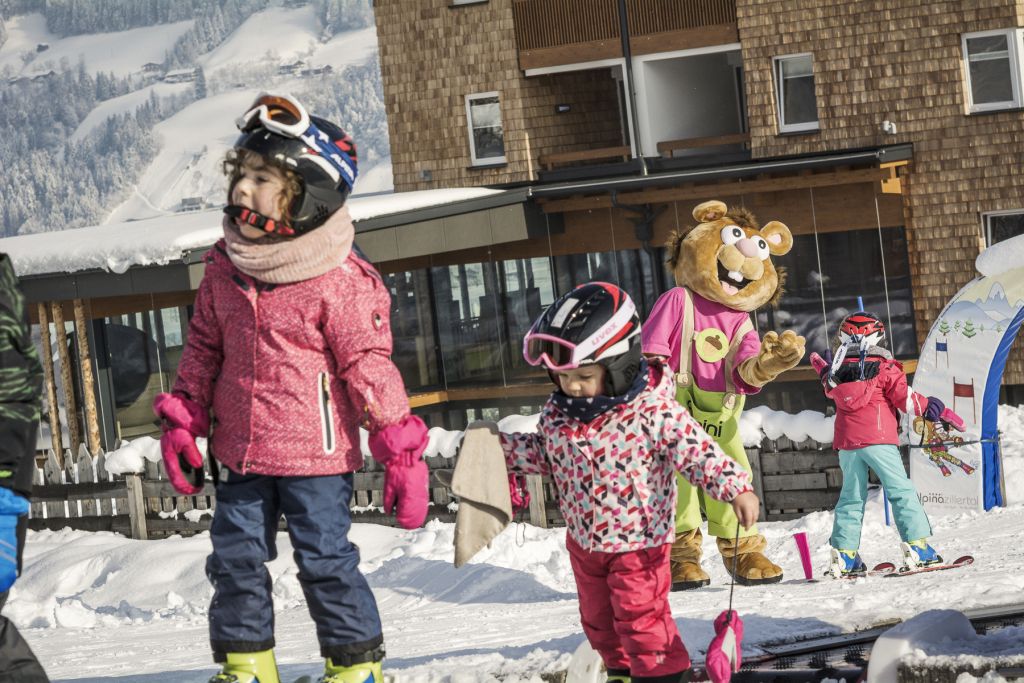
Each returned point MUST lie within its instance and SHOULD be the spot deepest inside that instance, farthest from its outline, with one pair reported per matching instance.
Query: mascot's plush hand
(777, 354)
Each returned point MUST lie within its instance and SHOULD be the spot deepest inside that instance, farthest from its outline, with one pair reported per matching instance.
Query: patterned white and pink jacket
(615, 476)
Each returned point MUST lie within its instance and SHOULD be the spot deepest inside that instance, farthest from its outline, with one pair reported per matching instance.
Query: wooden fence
(792, 479)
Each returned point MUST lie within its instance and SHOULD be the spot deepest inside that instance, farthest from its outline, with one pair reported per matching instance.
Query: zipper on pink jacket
(254, 302)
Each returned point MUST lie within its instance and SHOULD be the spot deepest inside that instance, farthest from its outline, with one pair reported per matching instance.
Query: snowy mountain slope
(192, 145)
(125, 104)
(296, 36)
(194, 133)
(120, 53)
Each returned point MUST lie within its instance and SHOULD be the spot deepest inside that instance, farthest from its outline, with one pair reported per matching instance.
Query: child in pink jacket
(289, 350)
(869, 388)
(612, 438)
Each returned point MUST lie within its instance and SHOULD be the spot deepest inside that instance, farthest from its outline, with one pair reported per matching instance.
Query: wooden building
(886, 135)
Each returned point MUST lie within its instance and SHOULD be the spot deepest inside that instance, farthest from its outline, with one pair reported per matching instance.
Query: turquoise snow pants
(907, 511)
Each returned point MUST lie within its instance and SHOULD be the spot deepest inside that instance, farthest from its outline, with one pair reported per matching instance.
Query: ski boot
(248, 667)
(919, 554)
(366, 672)
(846, 564)
(618, 676)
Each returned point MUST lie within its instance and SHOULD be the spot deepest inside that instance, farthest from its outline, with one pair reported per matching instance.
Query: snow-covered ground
(101, 607)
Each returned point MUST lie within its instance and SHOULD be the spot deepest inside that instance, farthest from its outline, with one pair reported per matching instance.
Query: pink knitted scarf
(279, 260)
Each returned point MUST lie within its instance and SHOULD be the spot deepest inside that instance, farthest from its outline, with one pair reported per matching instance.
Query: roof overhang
(665, 183)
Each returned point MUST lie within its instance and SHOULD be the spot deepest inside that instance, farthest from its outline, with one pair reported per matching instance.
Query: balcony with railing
(553, 33)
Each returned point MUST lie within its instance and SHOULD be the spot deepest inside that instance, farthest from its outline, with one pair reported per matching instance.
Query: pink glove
(399, 447)
(183, 421)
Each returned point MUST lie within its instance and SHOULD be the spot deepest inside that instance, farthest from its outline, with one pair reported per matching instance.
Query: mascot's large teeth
(735, 275)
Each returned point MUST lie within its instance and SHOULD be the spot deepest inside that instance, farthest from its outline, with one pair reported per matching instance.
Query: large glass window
(826, 274)
(486, 133)
(412, 328)
(1003, 225)
(794, 91)
(993, 69)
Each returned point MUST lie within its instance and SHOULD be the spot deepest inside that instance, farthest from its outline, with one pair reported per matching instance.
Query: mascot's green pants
(722, 424)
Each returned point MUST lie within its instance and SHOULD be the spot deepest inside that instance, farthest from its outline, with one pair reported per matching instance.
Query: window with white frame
(486, 134)
(1002, 225)
(993, 68)
(794, 92)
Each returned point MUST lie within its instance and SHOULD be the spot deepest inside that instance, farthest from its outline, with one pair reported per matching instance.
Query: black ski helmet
(596, 322)
(323, 188)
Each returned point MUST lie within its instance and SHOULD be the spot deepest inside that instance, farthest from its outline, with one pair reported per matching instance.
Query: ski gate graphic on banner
(962, 364)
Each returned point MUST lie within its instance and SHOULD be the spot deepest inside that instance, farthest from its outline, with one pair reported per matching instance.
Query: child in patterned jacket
(289, 348)
(612, 437)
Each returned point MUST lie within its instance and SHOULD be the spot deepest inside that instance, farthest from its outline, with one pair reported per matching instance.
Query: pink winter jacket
(866, 409)
(292, 370)
(615, 475)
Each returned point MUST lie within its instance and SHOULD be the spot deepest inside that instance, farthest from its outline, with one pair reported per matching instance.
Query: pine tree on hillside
(200, 83)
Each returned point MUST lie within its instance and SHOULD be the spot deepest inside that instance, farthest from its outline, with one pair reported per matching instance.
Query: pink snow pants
(624, 609)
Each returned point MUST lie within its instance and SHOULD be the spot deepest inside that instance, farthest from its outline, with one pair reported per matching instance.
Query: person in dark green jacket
(21, 384)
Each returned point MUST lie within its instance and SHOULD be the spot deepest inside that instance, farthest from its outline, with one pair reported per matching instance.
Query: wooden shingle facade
(896, 155)
(901, 62)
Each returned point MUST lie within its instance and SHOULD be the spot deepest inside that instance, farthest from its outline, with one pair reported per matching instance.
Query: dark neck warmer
(589, 409)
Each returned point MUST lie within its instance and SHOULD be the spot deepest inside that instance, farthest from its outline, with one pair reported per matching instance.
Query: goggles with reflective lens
(558, 354)
(281, 114)
(284, 115)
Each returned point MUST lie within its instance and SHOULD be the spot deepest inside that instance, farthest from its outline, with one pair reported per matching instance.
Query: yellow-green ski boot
(248, 667)
(366, 672)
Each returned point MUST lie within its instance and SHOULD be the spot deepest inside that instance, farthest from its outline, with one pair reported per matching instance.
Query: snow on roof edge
(116, 247)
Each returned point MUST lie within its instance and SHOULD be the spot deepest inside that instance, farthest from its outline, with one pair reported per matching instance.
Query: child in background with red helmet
(289, 350)
(868, 388)
(612, 437)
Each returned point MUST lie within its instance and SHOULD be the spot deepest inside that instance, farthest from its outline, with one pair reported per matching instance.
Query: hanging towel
(480, 482)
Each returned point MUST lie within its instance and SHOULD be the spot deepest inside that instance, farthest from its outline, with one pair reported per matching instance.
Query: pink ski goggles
(557, 354)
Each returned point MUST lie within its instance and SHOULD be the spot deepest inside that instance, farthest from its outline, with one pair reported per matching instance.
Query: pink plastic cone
(805, 553)
(724, 652)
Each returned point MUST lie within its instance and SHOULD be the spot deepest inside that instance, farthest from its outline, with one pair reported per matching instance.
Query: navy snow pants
(244, 532)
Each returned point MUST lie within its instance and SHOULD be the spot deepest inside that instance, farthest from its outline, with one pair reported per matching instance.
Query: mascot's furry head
(727, 256)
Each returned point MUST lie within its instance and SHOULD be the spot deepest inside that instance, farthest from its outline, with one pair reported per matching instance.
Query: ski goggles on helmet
(284, 115)
(558, 354)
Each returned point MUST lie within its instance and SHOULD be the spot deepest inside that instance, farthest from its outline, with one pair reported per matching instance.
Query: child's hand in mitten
(182, 421)
(399, 447)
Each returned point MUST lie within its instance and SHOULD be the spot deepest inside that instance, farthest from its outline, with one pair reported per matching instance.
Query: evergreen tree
(200, 83)
(968, 329)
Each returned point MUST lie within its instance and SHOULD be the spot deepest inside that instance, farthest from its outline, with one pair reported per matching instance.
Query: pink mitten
(181, 411)
(818, 363)
(400, 448)
(183, 421)
(952, 419)
(725, 653)
(177, 447)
